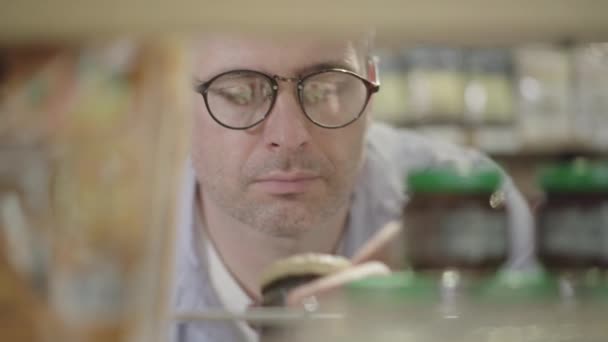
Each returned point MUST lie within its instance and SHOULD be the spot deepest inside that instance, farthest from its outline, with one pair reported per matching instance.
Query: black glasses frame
(371, 87)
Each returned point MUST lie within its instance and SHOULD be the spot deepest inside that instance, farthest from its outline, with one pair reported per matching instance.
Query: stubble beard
(288, 215)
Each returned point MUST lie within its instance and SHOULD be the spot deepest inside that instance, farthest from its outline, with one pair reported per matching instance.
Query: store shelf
(467, 21)
(502, 140)
(554, 152)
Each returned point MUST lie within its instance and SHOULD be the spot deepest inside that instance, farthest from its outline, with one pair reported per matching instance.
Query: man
(285, 160)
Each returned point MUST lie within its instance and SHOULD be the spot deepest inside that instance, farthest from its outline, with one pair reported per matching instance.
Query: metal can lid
(452, 180)
(579, 176)
(304, 264)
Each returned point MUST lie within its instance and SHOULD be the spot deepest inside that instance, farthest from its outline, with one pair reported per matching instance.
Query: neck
(246, 251)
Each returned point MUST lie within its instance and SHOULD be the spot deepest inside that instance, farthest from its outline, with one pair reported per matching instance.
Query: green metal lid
(404, 284)
(516, 286)
(451, 180)
(577, 176)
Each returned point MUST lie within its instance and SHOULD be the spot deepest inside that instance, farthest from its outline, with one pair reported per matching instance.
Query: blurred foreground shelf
(474, 22)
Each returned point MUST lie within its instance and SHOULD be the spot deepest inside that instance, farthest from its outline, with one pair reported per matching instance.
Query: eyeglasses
(330, 98)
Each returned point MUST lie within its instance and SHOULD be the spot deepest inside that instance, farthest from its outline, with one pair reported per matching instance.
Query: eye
(315, 91)
(236, 94)
(243, 91)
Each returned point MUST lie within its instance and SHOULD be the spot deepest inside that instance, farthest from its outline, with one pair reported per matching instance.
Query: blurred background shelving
(524, 105)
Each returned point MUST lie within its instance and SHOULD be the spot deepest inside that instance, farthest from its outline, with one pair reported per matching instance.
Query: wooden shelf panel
(463, 22)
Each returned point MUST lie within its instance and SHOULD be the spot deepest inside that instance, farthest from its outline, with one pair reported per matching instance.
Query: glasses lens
(240, 99)
(333, 98)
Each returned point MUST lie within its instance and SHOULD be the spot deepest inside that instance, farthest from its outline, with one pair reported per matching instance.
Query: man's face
(286, 175)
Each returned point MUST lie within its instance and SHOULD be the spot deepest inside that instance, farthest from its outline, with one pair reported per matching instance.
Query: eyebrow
(324, 66)
(337, 64)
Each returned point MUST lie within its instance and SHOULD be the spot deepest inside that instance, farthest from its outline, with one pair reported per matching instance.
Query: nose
(286, 127)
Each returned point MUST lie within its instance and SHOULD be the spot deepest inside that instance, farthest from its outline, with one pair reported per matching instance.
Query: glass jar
(573, 221)
(573, 242)
(285, 275)
(455, 220)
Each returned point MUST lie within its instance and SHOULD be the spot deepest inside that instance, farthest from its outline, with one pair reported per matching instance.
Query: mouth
(283, 183)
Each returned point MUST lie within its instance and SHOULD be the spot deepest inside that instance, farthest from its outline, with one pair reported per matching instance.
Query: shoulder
(403, 150)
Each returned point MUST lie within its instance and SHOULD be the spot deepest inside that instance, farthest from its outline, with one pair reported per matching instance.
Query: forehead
(284, 56)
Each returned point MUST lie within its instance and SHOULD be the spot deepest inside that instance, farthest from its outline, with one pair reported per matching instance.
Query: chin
(286, 222)
(285, 231)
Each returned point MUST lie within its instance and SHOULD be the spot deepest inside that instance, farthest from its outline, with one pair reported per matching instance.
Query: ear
(372, 70)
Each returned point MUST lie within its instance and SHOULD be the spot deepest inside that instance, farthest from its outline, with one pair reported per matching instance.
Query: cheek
(344, 146)
(206, 142)
(217, 152)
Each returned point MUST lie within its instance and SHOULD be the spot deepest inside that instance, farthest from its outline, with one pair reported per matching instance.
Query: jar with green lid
(573, 220)
(573, 241)
(455, 219)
